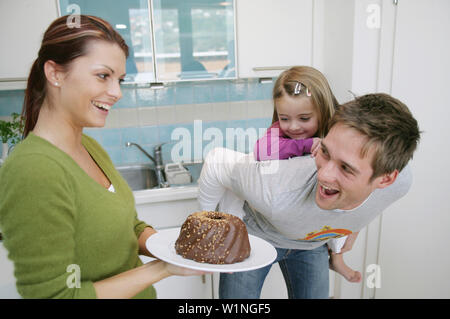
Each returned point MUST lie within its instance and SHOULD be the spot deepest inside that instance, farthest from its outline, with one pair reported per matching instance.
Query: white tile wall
(165, 115)
(147, 116)
(204, 112)
(187, 113)
(260, 109)
(239, 110)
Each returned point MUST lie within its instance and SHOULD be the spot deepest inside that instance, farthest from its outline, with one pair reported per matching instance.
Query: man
(359, 170)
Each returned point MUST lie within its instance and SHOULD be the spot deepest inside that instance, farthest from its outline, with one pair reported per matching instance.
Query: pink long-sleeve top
(275, 145)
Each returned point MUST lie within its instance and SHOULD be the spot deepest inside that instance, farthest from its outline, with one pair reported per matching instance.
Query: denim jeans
(305, 273)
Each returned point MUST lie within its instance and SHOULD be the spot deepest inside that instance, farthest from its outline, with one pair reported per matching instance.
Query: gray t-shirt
(280, 203)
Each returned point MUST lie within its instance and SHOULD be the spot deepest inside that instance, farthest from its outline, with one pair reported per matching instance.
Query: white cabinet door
(414, 256)
(7, 280)
(273, 35)
(22, 25)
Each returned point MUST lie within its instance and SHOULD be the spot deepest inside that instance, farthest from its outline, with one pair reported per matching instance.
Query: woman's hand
(180, 271)
(169, 268)
(131, 282)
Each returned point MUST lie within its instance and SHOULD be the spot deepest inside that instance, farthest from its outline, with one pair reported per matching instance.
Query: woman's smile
(102, 106)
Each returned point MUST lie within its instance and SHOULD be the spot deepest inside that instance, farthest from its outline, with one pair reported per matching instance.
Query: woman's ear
(53, 73)
(386, 179)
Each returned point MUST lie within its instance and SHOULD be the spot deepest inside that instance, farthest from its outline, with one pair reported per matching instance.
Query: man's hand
(349, 242)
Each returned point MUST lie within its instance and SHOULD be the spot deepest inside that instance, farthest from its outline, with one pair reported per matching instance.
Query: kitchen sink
(139, 177)
(195, 169)
(142, 176)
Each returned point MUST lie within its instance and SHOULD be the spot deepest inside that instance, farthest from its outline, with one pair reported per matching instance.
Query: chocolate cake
(214, 238)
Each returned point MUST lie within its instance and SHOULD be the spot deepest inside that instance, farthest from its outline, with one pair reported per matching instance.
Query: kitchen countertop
(172, 193)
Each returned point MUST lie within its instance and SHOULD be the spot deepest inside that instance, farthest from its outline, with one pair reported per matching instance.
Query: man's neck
(354, 208)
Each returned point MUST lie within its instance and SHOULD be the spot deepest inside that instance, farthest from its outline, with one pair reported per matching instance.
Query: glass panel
(194, 39)
(131, 19)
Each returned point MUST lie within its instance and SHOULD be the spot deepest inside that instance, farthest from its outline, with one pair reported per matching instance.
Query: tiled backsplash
(191, 116)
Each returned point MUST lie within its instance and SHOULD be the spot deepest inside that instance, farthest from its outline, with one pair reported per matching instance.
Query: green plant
(11, 131)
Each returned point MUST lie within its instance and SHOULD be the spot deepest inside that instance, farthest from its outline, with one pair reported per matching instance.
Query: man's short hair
(388, 126)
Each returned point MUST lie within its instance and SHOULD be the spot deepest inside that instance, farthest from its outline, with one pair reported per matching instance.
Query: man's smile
(327, 191)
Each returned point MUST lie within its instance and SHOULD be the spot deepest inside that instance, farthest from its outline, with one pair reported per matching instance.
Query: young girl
(300, 119)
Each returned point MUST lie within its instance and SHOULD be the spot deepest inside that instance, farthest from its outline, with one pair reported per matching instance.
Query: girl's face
(297, 116)
(92, 85)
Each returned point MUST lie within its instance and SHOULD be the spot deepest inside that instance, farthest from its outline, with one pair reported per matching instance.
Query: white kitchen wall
(405, 55)
(414, 251)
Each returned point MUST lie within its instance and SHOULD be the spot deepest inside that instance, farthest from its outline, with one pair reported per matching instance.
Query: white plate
(162, 246)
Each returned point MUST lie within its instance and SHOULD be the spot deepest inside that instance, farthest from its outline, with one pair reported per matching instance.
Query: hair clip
(298, 88)
(353, 94)
(308, 93)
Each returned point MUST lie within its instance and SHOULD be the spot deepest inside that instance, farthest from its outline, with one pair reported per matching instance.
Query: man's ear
(386, 179)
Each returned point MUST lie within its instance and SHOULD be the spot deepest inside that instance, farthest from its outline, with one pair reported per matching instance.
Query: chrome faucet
(157, 160)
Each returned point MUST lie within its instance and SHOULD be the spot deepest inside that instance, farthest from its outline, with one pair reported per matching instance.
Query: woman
(68, 218)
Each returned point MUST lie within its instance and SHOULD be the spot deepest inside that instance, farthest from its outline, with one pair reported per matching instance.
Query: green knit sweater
(64, 231)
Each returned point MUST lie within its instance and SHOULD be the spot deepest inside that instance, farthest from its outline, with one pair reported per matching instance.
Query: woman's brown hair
(299, 80)
(62, 43)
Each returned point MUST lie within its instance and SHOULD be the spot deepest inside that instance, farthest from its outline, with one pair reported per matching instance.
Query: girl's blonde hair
(301, 81)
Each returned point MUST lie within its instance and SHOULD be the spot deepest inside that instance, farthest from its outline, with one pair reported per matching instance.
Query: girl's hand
(315, 147)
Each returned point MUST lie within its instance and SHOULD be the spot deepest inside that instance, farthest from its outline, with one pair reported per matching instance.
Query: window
(193, 39)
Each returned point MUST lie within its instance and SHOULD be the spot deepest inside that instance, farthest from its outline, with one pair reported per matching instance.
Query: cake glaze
(214, 238)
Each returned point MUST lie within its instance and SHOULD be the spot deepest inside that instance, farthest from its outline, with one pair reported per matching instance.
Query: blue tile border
(113, 140)
(203, 94)
(11, 101)
(183, 93)
(171, 94)
(198, 136)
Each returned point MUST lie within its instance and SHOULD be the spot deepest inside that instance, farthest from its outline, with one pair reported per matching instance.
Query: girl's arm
(274, 146)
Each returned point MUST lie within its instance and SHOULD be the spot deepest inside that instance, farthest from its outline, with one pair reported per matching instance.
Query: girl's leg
(338, 265)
